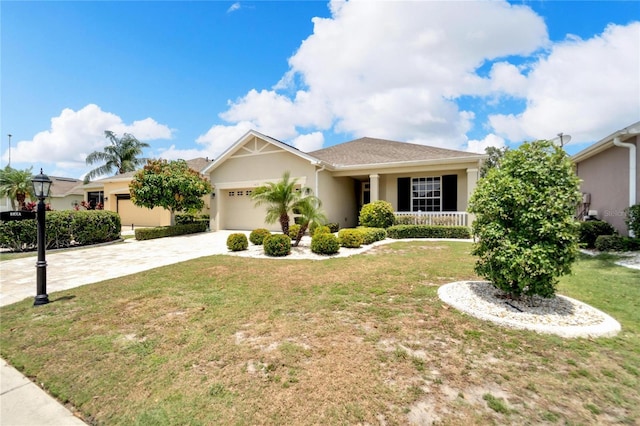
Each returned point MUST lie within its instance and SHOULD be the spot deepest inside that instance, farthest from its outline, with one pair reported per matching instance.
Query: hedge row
(63, 229)
(170, 231)
(428, 231)
(616, 243)
(184, 218)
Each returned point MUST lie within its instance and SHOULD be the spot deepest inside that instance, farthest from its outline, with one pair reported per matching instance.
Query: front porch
(433, 218)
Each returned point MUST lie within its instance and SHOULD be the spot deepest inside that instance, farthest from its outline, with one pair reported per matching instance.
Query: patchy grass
(230, 340)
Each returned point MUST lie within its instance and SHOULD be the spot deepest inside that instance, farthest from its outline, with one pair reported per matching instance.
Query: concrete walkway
(22, 402)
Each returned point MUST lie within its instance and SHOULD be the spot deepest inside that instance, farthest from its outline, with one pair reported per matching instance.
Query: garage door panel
(241, 213)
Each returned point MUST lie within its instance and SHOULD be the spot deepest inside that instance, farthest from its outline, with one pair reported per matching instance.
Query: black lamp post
(41, 186)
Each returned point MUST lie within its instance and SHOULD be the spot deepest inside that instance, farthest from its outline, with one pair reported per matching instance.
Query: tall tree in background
(122, 154)
(169, 184)
(495, 157)
(280, 198)
(16, 185)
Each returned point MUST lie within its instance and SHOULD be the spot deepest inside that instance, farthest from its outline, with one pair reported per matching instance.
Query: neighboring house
(113, 193)
(610, 180)
(64, 194)
(413, 178)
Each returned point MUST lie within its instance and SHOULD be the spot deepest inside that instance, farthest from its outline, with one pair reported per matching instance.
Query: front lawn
(358, 340)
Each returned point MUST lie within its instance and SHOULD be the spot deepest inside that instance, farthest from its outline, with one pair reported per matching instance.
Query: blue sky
(190, 78)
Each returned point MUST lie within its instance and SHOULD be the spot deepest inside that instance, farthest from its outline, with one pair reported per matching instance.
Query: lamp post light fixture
(41, 186)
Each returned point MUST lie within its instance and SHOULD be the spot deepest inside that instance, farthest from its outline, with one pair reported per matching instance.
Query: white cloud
(479, 146)
(586, 88)
(219, 138)
(173, 153)
(393, 70)
(309, 142)
(74, 134)
(235, 6)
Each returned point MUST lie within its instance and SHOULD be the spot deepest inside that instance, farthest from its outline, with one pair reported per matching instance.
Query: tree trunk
(303, 229)
(284, 223)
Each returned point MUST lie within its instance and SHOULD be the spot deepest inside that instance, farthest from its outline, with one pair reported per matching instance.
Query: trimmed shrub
(350, 238)
(633, 219)
(237, 242)
(257, 236)
(87, 227)
(591, 229)
(616, 243)
(417, 219)
(325, 243)
(277, 245)
(371, 235)
(293, 230)
(170, 231)
(317, 230)
(609, 243)
(378, 214)
(63, 229)
(428, 231)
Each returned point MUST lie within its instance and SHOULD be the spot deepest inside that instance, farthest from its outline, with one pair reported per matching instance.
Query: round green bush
(237, 242)
(319, 230)
(257, 236)
(350, 238)
(277, 245)
(378, 214)
(325, 243)
(590, 230)
(293, 230)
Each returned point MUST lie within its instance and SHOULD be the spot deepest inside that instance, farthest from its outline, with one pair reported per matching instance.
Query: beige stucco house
(415, 179)
(609, 176)
(113, 192)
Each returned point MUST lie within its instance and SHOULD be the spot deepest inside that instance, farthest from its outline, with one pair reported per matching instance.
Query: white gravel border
(480, 300)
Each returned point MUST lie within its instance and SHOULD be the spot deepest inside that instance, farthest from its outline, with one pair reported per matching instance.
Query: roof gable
(255, 143)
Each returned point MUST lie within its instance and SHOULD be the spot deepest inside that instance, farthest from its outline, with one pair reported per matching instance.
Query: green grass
(230, 340)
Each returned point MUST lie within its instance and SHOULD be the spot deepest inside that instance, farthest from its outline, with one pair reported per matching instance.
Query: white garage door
(240, 211)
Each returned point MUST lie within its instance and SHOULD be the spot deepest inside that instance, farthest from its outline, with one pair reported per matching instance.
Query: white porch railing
(433, 218)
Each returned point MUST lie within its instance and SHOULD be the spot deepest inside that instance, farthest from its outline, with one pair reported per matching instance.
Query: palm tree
(309, 211)
(280, 199)
(121, 154)
(16, 185)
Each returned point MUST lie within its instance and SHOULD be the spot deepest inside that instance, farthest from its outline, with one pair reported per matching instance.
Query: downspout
(317, 172)
(632, 171)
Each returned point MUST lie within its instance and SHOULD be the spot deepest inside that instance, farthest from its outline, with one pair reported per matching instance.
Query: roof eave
(413, 163)
(606, 143)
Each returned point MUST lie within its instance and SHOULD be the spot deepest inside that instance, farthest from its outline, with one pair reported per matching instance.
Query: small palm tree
(121, 154)
(309, 211)
(16, 185)
(280, 199)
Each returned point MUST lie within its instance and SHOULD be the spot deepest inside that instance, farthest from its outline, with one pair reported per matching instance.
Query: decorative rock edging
(561, 315)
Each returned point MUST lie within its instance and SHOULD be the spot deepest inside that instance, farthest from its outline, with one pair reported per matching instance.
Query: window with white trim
(240, 193)
(426, 194)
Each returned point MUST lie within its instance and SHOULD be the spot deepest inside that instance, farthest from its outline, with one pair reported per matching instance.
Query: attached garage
(133, 215)
(238, 211)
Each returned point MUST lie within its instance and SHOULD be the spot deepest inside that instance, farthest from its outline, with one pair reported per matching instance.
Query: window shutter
(450, 193)
(404, 194)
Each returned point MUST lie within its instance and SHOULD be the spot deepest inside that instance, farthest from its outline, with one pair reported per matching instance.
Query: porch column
(472, 180)
(374, 187)
(217, 204)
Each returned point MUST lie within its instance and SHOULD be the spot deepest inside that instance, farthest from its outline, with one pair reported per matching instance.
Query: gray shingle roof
(62, 186)
(380, 151)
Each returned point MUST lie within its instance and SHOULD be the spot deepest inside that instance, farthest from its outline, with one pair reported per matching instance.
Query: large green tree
(122, 155)
(16, 185)
(169, 184)
(280, 198)
(525, 228)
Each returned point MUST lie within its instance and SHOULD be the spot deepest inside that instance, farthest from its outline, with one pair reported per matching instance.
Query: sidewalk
(22, 402)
